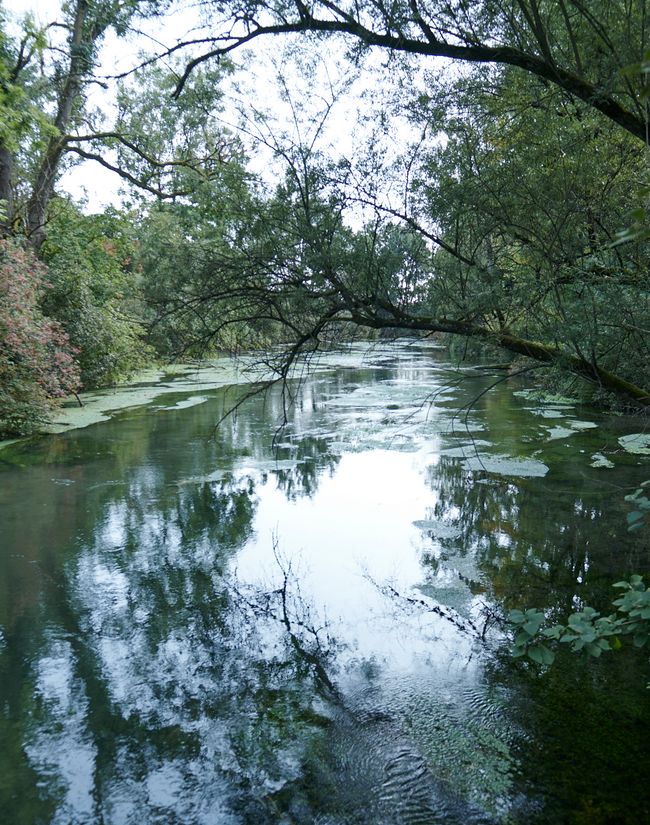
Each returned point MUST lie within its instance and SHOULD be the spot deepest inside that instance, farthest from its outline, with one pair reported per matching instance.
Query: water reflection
(203, 626)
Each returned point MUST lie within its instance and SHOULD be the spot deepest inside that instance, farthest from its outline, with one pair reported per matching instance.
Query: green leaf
(531, 628)
(541, 654)
(631, 70)
(522, 638)
(534, 620)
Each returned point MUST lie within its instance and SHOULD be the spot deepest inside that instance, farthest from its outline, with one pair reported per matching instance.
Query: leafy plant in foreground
(639, 498)
(587, 630)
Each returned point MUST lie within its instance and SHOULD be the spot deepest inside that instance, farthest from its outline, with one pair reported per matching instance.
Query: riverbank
(145, 386)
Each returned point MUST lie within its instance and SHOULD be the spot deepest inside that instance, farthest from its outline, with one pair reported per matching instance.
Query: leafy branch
(641, 502)
(586, 631)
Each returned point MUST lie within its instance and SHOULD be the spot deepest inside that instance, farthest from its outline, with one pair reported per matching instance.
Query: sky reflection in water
(199, 628)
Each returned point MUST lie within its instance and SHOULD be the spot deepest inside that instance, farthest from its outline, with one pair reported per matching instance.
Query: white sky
(89, 181)
(100, 187)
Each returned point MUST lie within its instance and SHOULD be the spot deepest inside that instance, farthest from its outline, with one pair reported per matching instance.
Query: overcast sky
(99, 187)
(89, 181)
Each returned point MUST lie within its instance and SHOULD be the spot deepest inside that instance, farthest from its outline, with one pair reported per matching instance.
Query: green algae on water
(506, 466)
(599, 461)
(636, 443)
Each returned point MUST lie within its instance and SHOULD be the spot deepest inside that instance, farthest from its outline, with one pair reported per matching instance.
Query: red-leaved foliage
(37, 363)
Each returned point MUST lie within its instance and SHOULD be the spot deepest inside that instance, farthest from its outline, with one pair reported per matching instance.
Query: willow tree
(544, 134)
(578, 46)
(43, 102)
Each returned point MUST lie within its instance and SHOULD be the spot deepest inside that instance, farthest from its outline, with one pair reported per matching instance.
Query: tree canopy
(496, 190)
(579, 47)
(531, 160)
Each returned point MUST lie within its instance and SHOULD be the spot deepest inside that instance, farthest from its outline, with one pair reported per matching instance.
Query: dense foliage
(36, 360)
(95, 294)
(108, 297)
(515, 218)
(529, 166)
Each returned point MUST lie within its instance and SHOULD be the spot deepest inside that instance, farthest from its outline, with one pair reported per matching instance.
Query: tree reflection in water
(146, 674)
(160, 681)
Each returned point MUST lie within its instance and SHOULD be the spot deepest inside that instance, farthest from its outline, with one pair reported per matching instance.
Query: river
(302, 624)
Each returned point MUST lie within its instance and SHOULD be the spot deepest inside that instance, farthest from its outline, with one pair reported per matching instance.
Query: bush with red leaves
(37, 363)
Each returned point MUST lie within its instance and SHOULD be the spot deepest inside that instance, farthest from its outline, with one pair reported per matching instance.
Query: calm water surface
(254, 625)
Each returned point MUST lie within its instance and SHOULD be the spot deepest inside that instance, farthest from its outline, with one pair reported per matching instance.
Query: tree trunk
(80, 45)
(6, 190)
(536, 350)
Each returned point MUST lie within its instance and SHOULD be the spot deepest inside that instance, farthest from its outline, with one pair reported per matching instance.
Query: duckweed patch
(636, 443)
(504, 465)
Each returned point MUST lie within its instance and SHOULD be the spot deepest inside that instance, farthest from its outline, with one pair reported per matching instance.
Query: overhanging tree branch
(196, 165)
(531, 349)
(140, 184)
(338, 21)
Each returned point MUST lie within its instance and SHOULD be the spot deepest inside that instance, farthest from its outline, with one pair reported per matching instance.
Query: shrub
(95, 295)
(37, 364)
